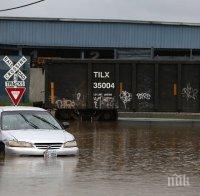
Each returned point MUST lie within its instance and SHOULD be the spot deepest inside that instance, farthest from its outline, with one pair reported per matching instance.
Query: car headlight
(14, 143)
(70, 144)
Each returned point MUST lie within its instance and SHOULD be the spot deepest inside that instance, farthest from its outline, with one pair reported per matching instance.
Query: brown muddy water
(115, 159)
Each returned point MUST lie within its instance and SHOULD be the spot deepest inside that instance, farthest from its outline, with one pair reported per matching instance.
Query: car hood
(38, 136)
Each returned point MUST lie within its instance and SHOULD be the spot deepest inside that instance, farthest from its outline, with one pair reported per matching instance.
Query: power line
(22, 6)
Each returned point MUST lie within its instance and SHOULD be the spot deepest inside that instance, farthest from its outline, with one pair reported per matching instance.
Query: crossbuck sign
(15, 88)
(14, 68)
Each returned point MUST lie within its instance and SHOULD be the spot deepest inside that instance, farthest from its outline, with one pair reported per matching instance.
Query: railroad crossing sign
(14, 68)
(15, 89)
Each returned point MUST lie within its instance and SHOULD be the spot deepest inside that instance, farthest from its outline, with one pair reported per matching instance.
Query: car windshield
(22, 120)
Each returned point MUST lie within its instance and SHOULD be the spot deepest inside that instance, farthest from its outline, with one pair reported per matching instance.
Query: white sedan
(33, 131)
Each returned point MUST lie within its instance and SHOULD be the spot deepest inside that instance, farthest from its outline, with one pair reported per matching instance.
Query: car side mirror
(65, 125)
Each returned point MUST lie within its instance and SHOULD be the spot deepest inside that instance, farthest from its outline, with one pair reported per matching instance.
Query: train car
(81, 90)
(99, 89)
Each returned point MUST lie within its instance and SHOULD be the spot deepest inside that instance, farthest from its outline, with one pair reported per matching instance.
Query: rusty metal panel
(145, 87)
(70, 81)
(168, 79)
(125, 87)
(190, 88)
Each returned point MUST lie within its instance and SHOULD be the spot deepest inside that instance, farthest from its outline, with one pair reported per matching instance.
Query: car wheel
(2, 147)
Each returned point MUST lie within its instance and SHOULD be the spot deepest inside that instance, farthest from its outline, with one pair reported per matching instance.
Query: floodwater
(115, 159)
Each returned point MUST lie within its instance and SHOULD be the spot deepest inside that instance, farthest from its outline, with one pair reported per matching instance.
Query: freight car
(98, 89)
(81, 90)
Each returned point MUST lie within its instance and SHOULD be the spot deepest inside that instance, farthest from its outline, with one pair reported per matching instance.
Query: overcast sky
(148, 10)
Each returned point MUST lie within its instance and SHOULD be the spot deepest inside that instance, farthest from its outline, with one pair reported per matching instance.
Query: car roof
(19, 108)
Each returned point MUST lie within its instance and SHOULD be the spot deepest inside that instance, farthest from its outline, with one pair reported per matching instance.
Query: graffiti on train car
(189, 92)
(103, 101)
(143, 96)
(65, 103)
(78, 96)
(125, 97)
(77, 102)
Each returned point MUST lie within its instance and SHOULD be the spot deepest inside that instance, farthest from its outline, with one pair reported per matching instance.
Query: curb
(161, 121)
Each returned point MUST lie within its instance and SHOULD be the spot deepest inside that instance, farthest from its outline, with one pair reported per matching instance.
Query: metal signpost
(15, 89)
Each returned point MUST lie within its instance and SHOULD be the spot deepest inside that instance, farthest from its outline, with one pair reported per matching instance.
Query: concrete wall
(37, 85)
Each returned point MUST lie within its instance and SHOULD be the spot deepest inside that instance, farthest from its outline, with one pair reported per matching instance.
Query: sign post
(15, 88)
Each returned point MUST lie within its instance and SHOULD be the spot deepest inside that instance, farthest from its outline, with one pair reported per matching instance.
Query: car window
(22, 120)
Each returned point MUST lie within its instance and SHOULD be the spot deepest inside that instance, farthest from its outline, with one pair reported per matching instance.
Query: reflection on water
(115, 158)
(35, 176)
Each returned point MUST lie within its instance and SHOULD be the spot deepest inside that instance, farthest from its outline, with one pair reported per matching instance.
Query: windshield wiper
(46, 121)
(28, 122)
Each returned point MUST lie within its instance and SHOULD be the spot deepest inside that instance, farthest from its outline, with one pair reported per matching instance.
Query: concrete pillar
(37, 85)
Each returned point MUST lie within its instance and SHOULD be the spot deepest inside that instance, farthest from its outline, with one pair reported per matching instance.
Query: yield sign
(15, 94)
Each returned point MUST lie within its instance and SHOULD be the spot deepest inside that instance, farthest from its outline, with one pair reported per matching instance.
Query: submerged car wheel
(2, 150)
(2, 146)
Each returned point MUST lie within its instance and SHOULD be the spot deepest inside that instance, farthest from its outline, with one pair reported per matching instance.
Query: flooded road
(115, 159)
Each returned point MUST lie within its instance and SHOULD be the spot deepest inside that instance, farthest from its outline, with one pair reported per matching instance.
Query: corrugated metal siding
(91, 34)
